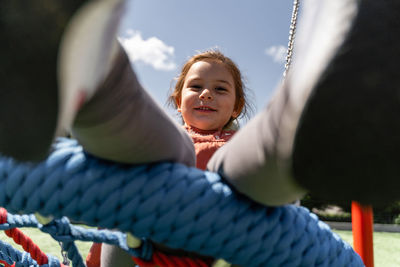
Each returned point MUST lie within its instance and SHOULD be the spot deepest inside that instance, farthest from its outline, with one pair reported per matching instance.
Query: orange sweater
(206, 143)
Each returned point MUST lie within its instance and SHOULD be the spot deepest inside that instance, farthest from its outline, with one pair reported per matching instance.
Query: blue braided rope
(61, 230)
(23, 259)
(171, 204)
(17, 221)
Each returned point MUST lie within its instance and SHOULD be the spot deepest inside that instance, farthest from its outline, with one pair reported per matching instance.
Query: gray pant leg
(112, 256)
(122, 123)
(329, 127)
(256, 161)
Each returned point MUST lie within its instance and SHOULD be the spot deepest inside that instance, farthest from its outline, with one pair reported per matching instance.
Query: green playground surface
(45, 242)
(386, 245)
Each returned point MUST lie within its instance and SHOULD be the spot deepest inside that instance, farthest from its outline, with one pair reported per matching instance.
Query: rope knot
(59, 229)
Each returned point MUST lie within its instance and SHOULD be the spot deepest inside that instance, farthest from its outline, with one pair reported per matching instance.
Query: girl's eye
(196, 86)
(220, 89)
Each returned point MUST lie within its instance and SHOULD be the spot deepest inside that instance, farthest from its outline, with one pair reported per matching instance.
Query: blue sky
(160, 35)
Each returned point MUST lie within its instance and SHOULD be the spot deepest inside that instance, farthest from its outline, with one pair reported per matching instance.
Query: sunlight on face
(208, 96)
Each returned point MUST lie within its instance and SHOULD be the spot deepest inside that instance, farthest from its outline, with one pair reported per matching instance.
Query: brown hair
(242, 106)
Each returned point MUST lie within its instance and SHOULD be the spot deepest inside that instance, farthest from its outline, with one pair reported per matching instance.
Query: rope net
(170, 204)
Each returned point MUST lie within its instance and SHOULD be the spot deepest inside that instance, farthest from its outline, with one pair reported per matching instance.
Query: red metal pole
(363, 225)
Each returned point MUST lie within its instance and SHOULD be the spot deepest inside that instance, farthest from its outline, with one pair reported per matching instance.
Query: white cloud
(277, 52)
(151, 51)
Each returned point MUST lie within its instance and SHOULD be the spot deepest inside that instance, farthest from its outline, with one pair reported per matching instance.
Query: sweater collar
(191, 129)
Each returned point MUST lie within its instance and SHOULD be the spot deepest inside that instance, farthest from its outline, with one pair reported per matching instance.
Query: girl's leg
(333, 126)
(119, 122)
(122, 123)
(114, 256)
(251, 163)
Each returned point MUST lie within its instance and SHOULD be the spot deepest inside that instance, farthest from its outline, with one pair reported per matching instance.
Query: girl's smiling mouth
(204, 109)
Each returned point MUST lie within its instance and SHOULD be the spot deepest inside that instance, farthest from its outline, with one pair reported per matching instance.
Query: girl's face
(208, 96)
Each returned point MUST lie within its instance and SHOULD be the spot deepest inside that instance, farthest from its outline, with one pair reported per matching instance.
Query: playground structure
(182, 207)
(167, 203)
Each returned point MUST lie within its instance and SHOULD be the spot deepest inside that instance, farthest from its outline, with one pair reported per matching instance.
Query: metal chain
(64, 255)
(292, 33)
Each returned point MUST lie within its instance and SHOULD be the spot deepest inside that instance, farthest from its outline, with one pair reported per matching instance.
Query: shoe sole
(347, 143)
(28, 93)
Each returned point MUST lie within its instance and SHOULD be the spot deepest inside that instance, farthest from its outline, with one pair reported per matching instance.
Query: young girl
(210, 96)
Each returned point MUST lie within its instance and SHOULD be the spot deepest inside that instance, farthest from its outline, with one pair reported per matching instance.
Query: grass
(386, 245)
(45, 242)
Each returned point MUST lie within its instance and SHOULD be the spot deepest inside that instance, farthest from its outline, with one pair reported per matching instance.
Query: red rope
(160, 259)
(21, 239)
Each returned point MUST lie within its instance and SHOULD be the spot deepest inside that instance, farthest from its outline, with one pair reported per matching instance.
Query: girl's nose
(205, 95)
